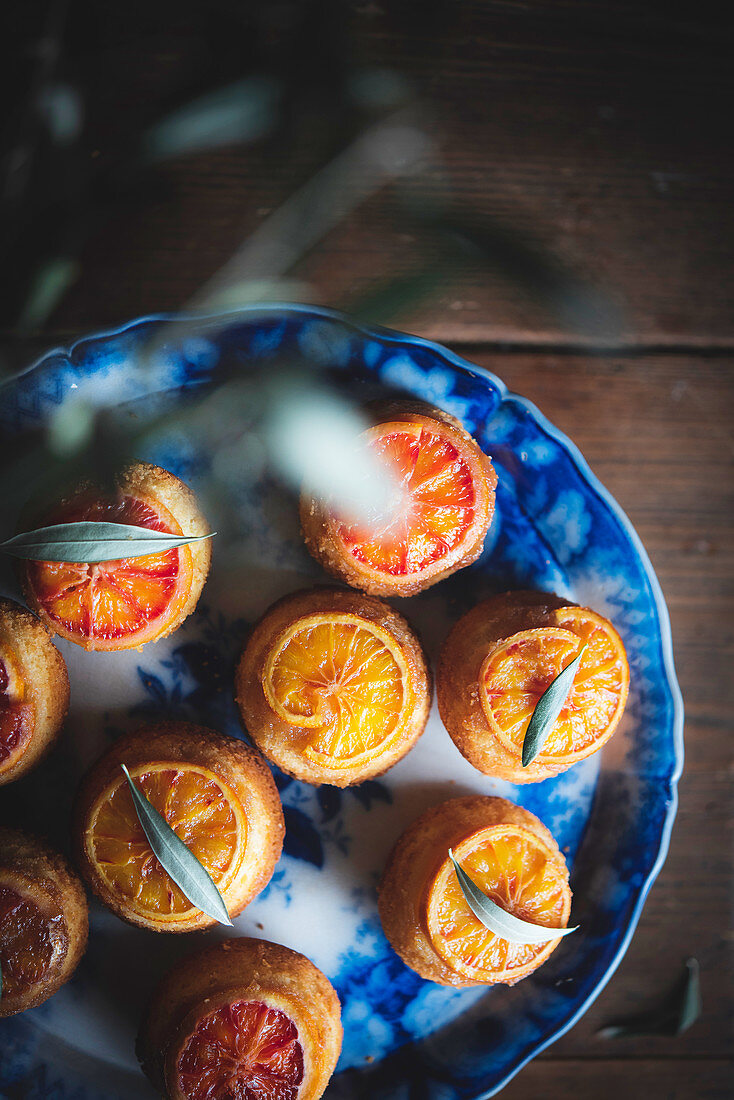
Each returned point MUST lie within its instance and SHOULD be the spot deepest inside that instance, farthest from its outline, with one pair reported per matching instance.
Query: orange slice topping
(343, 682)
(519, 669)
(114, 604)
(200, 809)
(436, 508)
(16, 713)
(514, 868)
(242, 1051)
(30, 942)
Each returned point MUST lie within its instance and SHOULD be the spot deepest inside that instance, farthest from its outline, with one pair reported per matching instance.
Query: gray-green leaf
(497, 919)
(547, 709)
(680, 1008)
(93, 541)
(179, 862)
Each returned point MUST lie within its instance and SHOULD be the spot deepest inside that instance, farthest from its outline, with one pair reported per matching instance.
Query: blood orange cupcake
(34, 691)
(43, 921)
(443, 504)
(218, 796)
(333, 686)
(513, 859)
(242, 1018)
(497, 662)
(123, 604)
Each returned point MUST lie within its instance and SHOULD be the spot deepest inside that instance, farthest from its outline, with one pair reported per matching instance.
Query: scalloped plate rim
(386, 334)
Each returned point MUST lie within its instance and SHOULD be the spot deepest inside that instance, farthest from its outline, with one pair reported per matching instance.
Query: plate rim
(453, 359)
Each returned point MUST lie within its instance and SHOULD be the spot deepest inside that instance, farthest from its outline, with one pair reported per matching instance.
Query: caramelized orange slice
(519, 669)
(344, 681)
(437, 502)
(31, 943)
(242, 1051)
(440, 487)
(114, 604)
(202, 811)
(16, 714)
(333, 686)
(520, 873)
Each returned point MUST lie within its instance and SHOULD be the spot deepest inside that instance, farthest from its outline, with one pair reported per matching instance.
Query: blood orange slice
(242, 1019)
(344, 681)
(519, 872)
(519, 669)
(31, 942)
(438, 518)
(114, 604)
(437, 502)
(43, 921)
(16, 713)
(246, 1050)
(201, 809)
(124, 604)
(34, 691)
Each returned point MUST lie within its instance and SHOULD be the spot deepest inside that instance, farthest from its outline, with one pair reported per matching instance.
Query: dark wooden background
(594, 136)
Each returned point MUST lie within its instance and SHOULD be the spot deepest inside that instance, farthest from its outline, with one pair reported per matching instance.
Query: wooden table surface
(587, 139)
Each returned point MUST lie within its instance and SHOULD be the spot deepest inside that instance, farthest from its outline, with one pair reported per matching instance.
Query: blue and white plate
(556, 528)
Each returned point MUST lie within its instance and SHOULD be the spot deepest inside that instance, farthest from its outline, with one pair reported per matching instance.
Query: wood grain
(585, 138)
(638, 1080)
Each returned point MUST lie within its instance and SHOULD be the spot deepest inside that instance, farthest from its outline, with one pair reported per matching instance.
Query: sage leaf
(93, 541)
(547, 709)
(497, 919)
(176, 859)
(679, 1009)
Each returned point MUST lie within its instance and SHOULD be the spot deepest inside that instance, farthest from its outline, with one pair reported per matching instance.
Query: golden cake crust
(45, 679)
(415, 861)
(320, 530)
(273, 735)
(30, 867)
(242, 969)
(235, 763)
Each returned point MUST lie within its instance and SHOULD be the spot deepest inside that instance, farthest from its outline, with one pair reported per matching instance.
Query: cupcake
(218, 796)
(333, 686)
(243, 1017)
(509, 855)
(43, 921)
(500, 658)
(34, 691)
(430, 490)
(125, 603)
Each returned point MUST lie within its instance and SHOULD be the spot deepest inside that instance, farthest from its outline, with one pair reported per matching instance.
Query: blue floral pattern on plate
(556, 528)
